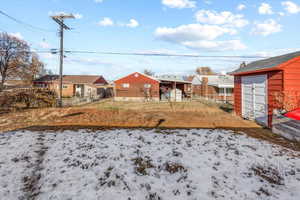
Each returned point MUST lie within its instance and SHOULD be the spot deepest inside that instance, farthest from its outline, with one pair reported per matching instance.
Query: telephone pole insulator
(59, 19)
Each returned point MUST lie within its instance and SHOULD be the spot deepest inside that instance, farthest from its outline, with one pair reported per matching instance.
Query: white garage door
(254, 98)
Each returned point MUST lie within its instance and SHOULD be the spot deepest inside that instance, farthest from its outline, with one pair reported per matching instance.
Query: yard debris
(142, 164)
(270, 174)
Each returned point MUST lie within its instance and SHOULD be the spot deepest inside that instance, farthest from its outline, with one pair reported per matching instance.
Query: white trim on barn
(255, 98)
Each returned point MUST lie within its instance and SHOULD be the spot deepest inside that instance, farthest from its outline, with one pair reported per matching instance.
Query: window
(125, 85)
(65, 86)
(147, 86)
(228, 91)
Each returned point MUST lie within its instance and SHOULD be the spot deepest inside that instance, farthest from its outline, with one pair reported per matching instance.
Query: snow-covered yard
(145, 164)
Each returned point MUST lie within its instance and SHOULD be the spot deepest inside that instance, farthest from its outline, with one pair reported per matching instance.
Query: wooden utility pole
(59, 19)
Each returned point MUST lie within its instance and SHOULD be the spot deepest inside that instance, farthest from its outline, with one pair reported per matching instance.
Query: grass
(107, 113)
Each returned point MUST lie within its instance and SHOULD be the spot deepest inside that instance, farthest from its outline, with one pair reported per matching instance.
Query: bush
(27, 98)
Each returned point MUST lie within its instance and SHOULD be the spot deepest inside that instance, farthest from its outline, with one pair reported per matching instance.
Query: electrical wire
(55, 51)
(25, 24)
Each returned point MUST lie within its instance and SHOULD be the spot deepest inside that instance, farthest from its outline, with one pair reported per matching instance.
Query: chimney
(243, 64)
(204, 80)
(204, 86)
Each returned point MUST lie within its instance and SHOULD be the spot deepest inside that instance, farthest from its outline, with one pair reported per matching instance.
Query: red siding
(238, 95)
(136, 86)
(292, 85)
(275, 85)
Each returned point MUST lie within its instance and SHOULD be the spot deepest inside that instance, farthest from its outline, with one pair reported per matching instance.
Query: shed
(137, 87)
(265, 85)
(140, 87)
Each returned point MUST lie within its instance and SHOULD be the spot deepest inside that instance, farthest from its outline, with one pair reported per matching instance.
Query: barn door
(254, 98)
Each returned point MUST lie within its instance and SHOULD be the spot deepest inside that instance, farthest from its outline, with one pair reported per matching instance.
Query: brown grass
(108, 113)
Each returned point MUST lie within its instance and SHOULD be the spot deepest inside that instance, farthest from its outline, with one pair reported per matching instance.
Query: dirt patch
(142, 164)
(173, 168)
(269, 174)
(111, 114)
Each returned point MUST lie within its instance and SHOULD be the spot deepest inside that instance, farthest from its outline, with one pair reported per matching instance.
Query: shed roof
(75, 79)
(173, 78)
(267, 63)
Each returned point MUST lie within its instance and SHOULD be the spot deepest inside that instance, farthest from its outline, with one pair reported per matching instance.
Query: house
(265, 85)
(74, 85)
(216, 87)
(141, 87)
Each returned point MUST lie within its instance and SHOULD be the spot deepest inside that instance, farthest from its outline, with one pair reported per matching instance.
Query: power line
(55, 51)
(164, 54)
(24, 23)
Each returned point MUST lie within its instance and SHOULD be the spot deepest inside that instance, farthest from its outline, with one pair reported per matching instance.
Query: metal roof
(172, 78)
(267, 63)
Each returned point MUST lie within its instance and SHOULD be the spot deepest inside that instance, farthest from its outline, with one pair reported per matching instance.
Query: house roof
(151, 77)
(266, 63)
(220, 81)
(75, 79)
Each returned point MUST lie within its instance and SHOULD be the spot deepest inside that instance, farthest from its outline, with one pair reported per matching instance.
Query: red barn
(141, 87)
(137, 87)
(265, 85)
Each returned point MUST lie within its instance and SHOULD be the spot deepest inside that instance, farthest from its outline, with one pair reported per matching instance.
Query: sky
(196, 27)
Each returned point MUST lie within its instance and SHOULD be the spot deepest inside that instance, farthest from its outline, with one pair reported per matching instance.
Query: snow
(145, 164)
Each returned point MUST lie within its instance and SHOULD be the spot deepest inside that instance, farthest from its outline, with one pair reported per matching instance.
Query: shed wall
(136, 86)
(275, 86)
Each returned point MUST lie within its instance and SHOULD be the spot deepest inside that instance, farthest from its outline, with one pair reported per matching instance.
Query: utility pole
(59, 19)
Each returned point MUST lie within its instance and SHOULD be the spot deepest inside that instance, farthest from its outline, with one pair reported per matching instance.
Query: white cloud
(266, 28)
(223, 18)
(179, 3)
(17, 35)
(106, 21)
(44, 45)
(98, 1)
(192, 32)
(265, 9)
(291, 7)
(133, 23)
(241, 7)
(216, 45)
(198, 36)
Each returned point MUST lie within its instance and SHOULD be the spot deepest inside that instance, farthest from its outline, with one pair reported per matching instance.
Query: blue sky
(202, 27)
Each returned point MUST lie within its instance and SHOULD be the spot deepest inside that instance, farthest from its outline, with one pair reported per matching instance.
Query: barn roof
(266, 63)
(75, 79)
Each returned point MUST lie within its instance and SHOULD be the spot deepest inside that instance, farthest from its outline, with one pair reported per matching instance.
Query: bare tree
(204, 71)
(14, 57)
(33, 70)
(148, 72)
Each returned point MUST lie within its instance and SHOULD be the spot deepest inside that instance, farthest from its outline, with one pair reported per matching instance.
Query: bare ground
(131, 114)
